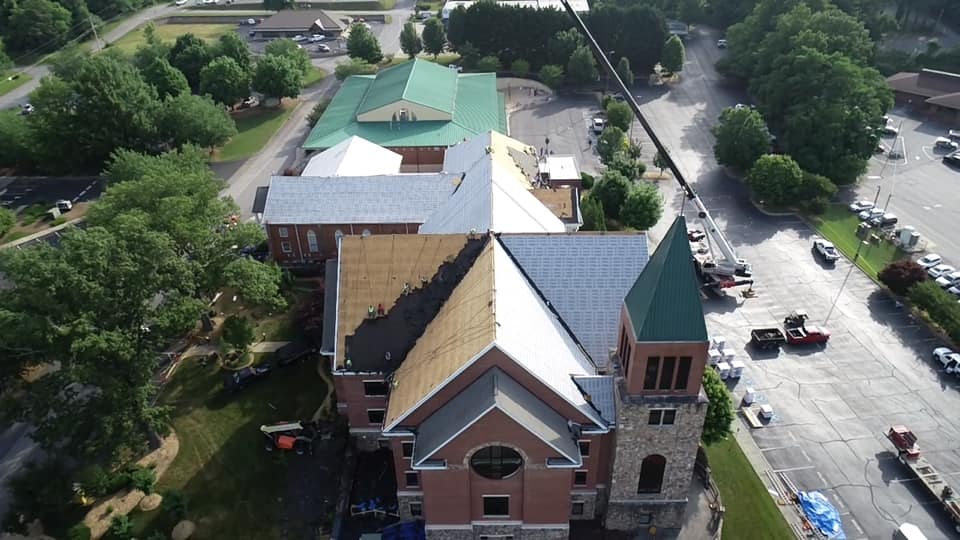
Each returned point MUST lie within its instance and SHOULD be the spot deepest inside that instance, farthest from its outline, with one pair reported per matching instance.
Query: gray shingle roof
(332, 274)
(392, 198)
(495, 389)
(585, 277)
(600, 388)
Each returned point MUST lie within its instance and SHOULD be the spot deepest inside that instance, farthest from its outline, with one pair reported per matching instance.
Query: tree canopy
(582, 67)
(287, 48)
(552, 75)
(277, 77)
(716, 425)
(410, 42)
(232, 46)
(593, 217)
(562, 44)
(775, 179)
(190, 55)
(643, 206)
(620, 115)
(624, 71)
(189, 119)
(611, 141)
(674, 55)
(611, 190)
(225, 81)
(362, 44)
(489, 64)
(617, 27)
(434, 37)
(165, 79)
(742, 137)
(37, 25)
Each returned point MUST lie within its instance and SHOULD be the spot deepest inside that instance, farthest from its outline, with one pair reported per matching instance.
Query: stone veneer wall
(636, 440)
(530, 532)
(403, 501)
(589, 500)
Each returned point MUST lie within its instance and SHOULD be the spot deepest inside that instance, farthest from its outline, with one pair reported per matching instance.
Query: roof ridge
(406, 83)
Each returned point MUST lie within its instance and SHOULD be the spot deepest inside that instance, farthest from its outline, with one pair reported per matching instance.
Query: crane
(716, 272)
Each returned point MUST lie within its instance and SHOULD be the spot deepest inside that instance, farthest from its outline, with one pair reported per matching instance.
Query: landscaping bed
(839, 225)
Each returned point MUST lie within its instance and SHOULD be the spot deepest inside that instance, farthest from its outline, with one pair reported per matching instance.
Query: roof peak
(664, 303)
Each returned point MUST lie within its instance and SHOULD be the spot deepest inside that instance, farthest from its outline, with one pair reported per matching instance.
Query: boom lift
(717, 271)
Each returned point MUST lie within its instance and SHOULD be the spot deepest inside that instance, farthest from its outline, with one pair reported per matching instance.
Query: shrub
(488, 64)
(520, 68)
(78, 532)
(99, 482)
(716, 425)
(143, 479)
(619, 115)
(586, 180)
(175, 504)
(317, 112)
(643, 207)
(7, 220)
(611, 190)
(899, 276)
(611, 141)
(157, 535)
(121, 528)
(421, 6)
(940, 306)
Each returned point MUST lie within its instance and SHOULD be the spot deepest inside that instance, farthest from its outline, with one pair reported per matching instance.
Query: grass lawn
(254, 127)
(279, 327)
(6, 84)
(233, 486)
(314, 76)
(444, 59)
(751, 511)
(170, 32)
(839, 225)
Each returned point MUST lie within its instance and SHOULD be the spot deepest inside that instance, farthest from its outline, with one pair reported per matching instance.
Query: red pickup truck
(802, 335)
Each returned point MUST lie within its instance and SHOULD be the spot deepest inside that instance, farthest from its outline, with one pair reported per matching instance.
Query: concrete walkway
(208, 348)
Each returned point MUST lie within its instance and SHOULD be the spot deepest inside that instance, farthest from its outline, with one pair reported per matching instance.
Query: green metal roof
(664, 303)
(478, 108)
(419, 81)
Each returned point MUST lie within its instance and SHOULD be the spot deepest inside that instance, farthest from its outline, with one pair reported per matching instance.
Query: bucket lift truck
(717, 263)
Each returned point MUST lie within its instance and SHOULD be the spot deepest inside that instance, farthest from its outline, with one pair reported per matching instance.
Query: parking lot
(16, 192)
(922, 190)
(564, 120)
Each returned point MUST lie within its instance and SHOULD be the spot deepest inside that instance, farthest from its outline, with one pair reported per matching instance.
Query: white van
(909, 531)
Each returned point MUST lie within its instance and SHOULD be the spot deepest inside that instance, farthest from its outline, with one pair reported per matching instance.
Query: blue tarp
(410, 530)
(821, 514)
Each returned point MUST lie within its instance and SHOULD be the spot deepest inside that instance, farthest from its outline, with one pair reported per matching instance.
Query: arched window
(496, 462)
(651, 474)
(312, 242)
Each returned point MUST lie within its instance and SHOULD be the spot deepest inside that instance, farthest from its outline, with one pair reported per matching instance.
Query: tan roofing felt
(559, 201)
(373, 270)
(464, 326)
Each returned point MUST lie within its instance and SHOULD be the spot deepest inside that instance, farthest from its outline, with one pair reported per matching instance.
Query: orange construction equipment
(905, 441)
(285, 442)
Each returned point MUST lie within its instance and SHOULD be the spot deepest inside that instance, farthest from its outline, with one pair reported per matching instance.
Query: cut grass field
(314, 76)
(254, 129)
(233, 486)
(839, 225)
(170, 32)
(751, 513)
(7, 84)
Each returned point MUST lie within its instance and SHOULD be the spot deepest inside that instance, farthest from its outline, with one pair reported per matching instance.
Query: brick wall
(296, 246)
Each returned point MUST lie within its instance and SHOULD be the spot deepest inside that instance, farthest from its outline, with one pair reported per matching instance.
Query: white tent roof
(353, 157)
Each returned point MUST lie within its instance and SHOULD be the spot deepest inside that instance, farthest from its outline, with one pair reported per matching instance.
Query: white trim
(644, 502)
(404, 433)
(495, 522)
(336, 316)
(381, 381)
(578, 460)
(408, 493)
(564, 466)
(459, 527)
(531, 526)
(457, 434)
(426, 467)
(483, 499)
(364, 430)
(413, 447)
(439, 387)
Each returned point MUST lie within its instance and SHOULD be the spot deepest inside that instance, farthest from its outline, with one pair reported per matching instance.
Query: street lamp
(856, 256)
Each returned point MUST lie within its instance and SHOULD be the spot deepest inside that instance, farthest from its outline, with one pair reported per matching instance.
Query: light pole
(833, 304)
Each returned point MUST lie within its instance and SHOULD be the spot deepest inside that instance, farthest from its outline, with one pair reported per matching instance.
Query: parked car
(867, 215)
(945, 281)
(323, 48)
(929, 260)
(26, 109)
(949, 360)
(597, 125)
(316, 38)
(885, 221)
(955, 290)
(860, 206)
(180, 2)
(250, 102)
(721, 44)
(456, 67)
(251, 22)
(242, 378)
(936, 271)
(953, 158)
(889, 130)
(954, 135)
(826, 250)
(424, 15)
(944, 143)
(298, 38)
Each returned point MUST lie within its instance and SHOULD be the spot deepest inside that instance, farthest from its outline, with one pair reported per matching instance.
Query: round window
(496, 462)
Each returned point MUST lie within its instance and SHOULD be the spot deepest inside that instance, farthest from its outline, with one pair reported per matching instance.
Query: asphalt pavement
(832, 404)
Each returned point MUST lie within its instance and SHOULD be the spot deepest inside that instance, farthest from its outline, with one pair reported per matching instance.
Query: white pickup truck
(826, 250)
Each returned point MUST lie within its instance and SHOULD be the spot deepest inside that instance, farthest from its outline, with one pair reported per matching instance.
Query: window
(666, 374)
(580, 478)
(285, 246)
(576, 509)
(584, 448)
(653, 369)
(312, 242)
(406, 449)
(366, 233)
(662, 417)
(651, 474)
(374, 388)
(496, 506)
(284, 232)
(495, 462)
(496, 537)
(412, 479)
(416, 509)
(375, 416)
(683, 373)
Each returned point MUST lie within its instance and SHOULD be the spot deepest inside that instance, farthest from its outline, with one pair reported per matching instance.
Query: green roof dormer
(413, 84)
(664, 303)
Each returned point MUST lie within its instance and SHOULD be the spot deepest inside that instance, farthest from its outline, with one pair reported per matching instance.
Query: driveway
(831, 405)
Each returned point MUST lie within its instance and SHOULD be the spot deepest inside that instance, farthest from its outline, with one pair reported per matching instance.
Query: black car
(953, 158)
(241, 378)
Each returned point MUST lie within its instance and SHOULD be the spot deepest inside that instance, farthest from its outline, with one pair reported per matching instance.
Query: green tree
(630, 167)
(643, 206)
(815, 192)
(256, 283)
(742, 137)
(562, 44)
(456, 31)
(660, 162)
(287, 48)
(434, 37)
(121, 528)
(362, 44)
(5, 62)
(7, 220)
(16, 146)
(617, 27)
(153, 48)
(277, 77)
(489, 64)
(592, 211)
(279, 5)
(104, 106)
(225, 81)
(190, 55)
(611, 190)
(37, 25)
(716, 425)
(582, 68)
(520, 68)
(190, 119)
(620, 115)
(238, 332)
(410, 41)
(469, 55)
(775, 179)
(552, 76)
(673, 55)
(354, 66)
(165, 79)
(624, 71)
(231, 45)
(611, 141)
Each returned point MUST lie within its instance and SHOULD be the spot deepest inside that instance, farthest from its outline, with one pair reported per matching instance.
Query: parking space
(564, 120)
(26, 191)
(918, 187)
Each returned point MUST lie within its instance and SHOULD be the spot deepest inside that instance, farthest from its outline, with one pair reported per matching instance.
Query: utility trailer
(908, 452)
(767, 338)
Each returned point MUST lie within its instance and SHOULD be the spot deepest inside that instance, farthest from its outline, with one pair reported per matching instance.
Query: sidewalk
(207, 349)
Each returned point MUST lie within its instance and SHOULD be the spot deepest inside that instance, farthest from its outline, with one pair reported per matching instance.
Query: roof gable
(664, 303)
(417, 81)
(355, 156)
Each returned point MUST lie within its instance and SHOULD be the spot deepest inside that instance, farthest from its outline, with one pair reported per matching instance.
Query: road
(831, 405)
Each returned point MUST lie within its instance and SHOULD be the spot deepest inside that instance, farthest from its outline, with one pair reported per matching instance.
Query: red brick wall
(636, 364)
(420, 158)
(297, 236)
(350, 392)
(597, 463)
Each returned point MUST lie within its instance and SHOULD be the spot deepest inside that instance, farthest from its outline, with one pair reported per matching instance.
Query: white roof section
(493, 194)
(394, 198)
(580, 6)
(530, 333)
(355, 156)
(562, 168)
